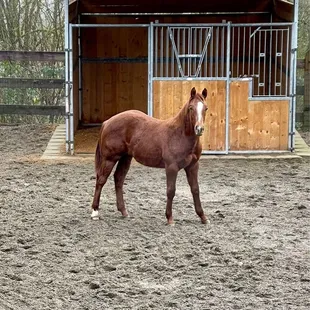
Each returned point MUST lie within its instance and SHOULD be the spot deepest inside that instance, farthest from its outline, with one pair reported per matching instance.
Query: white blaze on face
(199, 111)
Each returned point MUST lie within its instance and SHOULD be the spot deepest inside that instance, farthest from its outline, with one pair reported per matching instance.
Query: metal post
(293, 75)
(71, 92)
(80, 70)
(150, 69)
(227, 87)
(67, 89)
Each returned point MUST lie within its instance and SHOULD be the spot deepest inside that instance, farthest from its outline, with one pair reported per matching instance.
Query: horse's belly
(148, 156)
(150, 162)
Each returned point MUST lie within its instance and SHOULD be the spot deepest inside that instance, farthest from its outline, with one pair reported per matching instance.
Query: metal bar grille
(260, 52)
(266, 49)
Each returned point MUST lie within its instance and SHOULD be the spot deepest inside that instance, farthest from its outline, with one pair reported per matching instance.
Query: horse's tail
(98, 155)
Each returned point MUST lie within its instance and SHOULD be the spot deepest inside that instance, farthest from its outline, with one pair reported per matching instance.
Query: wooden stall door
(170, 96)
(256, 125)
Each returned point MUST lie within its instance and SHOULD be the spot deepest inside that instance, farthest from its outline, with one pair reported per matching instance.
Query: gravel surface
(254, 255)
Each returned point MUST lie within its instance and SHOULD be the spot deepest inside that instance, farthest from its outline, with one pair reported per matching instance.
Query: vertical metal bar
(222, 51)
(232, 50)
(254, 52)
(217, 52)
(293, 73)
(249, 56)
(227, 115)
(80, 70)
(150, 68)
(270, 63)
(184, 51)
(178, 49)
(167, 53)
(259, 53)
(204, 34)
(71, 91)
(276, 66)
(238, 53)
(172, 55)
(199, 50)
(161, 52)
(156, 51)
(67, 89)
(243, 57)
(281, 65)
(189, 51)
(212, 61)
(265, 57)
(194, 68)
(288, 56)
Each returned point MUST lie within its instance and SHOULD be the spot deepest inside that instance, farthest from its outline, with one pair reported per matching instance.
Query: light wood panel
(170, 96)
(257, 125)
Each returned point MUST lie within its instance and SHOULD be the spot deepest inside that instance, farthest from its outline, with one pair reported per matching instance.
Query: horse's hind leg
(101, 179)
(119, 178)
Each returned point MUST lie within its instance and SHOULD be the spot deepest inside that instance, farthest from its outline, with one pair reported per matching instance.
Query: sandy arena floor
(254, 255)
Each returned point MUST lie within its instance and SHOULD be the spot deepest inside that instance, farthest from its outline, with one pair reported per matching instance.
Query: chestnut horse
(172, 144)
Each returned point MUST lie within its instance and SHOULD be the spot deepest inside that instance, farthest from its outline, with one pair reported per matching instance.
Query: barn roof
(281, 8)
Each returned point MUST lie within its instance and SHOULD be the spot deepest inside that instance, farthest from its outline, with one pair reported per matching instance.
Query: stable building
(147, 55)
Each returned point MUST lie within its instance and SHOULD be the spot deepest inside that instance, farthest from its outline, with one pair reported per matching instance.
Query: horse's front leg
(192, 178)
(171, 175)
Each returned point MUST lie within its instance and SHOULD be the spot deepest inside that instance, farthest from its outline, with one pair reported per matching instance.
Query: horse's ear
(193, 92)
(204, 93)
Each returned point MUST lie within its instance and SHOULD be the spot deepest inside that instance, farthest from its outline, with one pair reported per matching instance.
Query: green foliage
(303, 28)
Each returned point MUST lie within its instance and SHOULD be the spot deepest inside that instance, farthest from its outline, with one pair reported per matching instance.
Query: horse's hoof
(205, 221)
(125, 214)
(170, 223)
(95, 215)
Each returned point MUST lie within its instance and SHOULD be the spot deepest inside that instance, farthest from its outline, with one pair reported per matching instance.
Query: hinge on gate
(292, 133)
(292, 149)
(293, 50)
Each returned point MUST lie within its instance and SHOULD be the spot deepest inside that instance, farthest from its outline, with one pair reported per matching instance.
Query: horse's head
(197, 108)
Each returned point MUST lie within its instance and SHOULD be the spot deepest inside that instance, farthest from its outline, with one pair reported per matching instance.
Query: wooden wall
(170, 96)
(257, 125)
(119, 85)
(253, 125)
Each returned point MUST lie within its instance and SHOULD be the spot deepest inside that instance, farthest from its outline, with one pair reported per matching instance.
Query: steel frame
(223, 73)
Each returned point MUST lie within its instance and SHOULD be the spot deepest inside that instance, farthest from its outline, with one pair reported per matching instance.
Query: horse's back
(122, 129)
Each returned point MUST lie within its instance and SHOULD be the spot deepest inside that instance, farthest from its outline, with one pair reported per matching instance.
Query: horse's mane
(183, 118)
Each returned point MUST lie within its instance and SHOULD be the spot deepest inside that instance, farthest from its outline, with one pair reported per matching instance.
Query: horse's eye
(190, 108)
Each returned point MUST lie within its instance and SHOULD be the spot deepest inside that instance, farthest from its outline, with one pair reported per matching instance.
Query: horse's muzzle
(199, 130)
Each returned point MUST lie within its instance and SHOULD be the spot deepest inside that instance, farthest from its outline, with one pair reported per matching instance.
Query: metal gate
(261, 53)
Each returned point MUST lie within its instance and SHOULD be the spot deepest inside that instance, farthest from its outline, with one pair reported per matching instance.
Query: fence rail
(21, 109)
(31, 83)
(31, 56)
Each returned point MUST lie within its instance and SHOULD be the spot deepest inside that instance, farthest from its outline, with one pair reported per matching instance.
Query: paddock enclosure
(142, 55)
(254, 254)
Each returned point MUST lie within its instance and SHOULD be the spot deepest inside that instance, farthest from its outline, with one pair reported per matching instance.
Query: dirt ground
(254, 255)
